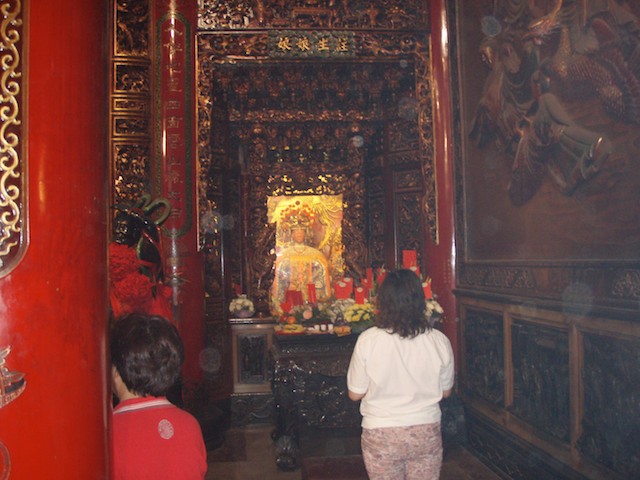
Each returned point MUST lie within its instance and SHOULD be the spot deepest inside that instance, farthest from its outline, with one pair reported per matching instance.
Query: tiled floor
(249, 454)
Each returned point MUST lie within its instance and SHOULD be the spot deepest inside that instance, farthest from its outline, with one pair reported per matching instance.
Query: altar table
(310, 391)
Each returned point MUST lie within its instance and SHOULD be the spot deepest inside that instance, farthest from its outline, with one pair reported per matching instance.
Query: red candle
(311, 290)
(341, 290)
(349, 282)
(294, 297)
(285, 306)
(298, 299)
(369, 277)
(289, 298)
(426, 288)
(360, 293)
(409, 258)
(381, 274)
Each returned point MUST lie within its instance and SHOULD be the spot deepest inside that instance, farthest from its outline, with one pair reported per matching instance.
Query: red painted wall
(53, 306)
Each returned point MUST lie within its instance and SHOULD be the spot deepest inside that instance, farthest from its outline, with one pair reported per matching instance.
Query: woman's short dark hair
(148, 353)
(401, 304)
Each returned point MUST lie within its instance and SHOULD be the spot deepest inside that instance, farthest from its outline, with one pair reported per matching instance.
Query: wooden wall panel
(546, 245)
(564, 383)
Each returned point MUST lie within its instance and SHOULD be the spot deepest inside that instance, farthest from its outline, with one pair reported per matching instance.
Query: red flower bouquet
(131, 290)
(123, 261)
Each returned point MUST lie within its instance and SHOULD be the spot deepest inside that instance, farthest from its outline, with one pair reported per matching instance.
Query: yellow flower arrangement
(359, 316)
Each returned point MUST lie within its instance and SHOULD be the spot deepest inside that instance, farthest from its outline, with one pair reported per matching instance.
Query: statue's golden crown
(297, 215)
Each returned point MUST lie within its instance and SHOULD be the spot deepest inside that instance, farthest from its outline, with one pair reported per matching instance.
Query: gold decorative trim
(12, 162)
(130, 97)
(317, 14)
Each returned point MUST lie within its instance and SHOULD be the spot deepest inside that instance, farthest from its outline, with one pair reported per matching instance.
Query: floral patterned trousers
(403, 453)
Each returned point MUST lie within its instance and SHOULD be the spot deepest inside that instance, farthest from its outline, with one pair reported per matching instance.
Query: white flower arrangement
(309, 314)
(241, 303)
(433, 307)
(336, 311)
(434, 311)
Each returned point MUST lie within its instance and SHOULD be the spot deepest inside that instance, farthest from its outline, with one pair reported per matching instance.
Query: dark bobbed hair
(401, 304)
(148, 353)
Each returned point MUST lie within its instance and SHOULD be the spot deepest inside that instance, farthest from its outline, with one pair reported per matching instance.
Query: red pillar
(53, 305)
(174, 25)
(441, 257)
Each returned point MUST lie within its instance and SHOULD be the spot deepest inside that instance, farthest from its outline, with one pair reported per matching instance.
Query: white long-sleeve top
(403, 379)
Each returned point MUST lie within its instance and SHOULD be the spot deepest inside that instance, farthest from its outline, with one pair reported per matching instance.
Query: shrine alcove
(355, 126)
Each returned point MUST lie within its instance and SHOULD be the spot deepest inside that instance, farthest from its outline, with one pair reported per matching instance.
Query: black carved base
(454, 427)
(214, 420)
(509, 456)
(287, 452)
(310, 392)
(251, 408)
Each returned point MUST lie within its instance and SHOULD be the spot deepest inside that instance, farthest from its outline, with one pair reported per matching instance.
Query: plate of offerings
(290, 329)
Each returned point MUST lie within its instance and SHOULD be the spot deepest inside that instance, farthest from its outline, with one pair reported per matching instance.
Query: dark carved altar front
(310, 391)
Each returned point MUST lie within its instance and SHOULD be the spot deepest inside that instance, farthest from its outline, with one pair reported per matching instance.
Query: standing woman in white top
(401, 368)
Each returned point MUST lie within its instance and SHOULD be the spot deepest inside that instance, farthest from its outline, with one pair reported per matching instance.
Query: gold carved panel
(13, 168)
(130, 98)
(324, 14)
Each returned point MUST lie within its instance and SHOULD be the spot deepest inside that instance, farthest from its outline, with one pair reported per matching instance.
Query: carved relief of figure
(551, 142)
(543, 63)
(507, 95)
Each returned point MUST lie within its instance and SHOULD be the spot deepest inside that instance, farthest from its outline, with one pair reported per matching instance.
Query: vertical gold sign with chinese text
(175, 122)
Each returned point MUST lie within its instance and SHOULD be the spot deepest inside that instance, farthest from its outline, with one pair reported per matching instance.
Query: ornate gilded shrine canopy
(301, 97)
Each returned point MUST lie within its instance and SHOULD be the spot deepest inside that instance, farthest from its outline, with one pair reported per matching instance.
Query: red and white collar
(141, 403)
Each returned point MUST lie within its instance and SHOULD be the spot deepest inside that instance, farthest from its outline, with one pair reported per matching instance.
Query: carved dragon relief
(560, 58)
(132, 28)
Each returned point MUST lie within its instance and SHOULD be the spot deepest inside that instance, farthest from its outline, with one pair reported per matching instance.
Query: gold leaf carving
(12, 220)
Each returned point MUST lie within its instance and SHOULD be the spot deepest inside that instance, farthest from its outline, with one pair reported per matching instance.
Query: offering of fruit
(293, 328)
(342, 330)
